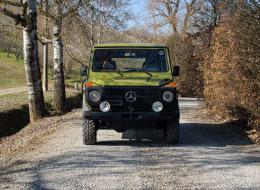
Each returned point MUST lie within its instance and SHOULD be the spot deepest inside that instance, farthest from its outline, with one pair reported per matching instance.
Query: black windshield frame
(160, 54)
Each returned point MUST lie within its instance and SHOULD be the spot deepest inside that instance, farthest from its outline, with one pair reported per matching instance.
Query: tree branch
(12, 3)
(17, 17)
(72, 10)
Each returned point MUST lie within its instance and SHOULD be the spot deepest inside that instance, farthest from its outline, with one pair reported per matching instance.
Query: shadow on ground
(14, 120)
(192, 134)
(202, 146)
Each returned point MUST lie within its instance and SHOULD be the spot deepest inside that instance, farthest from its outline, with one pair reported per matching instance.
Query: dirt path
(7, 91)
(12, 90)
(209, 156)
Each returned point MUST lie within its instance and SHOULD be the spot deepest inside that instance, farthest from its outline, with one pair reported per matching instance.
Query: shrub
(182, 54)
(232, 71)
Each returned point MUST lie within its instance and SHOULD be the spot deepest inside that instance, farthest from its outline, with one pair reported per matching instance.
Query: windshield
(146, 60)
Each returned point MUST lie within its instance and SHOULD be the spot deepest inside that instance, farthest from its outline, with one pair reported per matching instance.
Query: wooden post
(45, 67)
(45, 53)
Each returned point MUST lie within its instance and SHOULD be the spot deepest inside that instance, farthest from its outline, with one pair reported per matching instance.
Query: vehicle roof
(147, 45)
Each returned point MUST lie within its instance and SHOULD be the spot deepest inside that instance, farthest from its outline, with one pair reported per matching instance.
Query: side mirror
(83, 70)
(176, 71)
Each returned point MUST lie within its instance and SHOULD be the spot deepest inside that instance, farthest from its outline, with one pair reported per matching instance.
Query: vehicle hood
(130, 81)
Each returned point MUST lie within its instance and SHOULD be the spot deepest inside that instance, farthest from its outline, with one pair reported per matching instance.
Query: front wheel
(172, 132)
(89, 132)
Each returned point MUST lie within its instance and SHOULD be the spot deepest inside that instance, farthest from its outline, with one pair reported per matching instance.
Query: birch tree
(59, 100)
(57, 11)
(28, 20)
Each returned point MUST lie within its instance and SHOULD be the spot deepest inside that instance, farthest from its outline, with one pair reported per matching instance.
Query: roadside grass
(74, 76)
(14, 111)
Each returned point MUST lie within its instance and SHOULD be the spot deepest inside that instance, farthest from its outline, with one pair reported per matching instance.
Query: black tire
(172, 132)
(89, 132)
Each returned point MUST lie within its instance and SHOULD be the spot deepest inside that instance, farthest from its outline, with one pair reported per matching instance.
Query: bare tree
(98, 21)
(167, 10)
(140, 34)
(101, 14)
(28, 20)
(57, 11)
(190, 11)
(207, 15)
(176, 13)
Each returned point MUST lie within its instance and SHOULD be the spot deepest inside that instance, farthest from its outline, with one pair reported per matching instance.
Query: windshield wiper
(142, 70)
(138, 70)
(119, 72)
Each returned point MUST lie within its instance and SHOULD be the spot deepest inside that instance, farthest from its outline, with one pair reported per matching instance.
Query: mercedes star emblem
(130, 96)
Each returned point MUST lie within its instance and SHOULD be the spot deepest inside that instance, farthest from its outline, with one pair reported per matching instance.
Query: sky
(138, 8)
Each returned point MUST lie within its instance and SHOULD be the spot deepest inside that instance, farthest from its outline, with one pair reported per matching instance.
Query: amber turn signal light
(172, 84)
(89, 84)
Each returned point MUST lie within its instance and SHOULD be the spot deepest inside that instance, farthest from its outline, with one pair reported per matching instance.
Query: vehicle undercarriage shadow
(191, 134)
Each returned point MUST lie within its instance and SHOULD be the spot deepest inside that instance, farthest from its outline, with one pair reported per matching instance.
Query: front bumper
(131, 115)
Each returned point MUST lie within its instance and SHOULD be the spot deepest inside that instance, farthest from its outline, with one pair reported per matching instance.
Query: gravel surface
(209, 156)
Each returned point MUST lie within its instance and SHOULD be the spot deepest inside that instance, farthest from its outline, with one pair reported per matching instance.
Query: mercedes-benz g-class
(130, 86)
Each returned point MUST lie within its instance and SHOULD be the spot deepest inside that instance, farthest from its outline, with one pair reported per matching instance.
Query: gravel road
(209, 156)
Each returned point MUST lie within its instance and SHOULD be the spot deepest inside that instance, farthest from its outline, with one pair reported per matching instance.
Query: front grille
(145, 97)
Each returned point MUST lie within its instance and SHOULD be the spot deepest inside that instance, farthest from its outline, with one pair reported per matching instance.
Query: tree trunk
(92, 25)
(31, 60)
(190, 9)
(45, 50)
(59, 101)
(100, 33)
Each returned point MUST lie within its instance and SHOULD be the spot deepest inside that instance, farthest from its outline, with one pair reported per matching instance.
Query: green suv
(130, 86)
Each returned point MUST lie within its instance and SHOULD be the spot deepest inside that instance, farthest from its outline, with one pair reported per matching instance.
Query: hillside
(11, 71)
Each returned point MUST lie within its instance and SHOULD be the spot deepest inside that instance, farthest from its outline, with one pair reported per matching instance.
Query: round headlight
(167, 96)
(157, 106)
(94, 95)
(104, 106)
